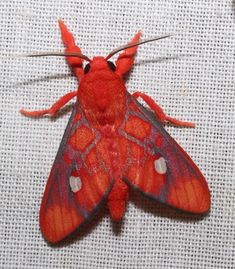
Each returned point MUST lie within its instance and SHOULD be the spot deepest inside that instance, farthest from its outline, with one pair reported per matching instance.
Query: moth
(113, 143)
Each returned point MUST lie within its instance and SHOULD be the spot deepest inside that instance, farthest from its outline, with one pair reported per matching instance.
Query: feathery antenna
(63, 54)
(133, 44)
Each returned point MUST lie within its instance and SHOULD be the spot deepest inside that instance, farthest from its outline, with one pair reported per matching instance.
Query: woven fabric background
(191, 75)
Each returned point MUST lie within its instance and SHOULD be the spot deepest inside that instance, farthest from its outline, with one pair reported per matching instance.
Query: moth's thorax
(102, 94)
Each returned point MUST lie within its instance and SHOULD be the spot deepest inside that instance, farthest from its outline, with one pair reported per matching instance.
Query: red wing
(78, 182)
(158, 166)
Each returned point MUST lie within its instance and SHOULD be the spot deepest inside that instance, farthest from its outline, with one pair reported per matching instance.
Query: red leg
(160, 113)
(74, 62)
(53, 109)
(126, 59)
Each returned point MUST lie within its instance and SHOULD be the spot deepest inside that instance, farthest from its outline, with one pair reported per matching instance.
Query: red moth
(112, 143)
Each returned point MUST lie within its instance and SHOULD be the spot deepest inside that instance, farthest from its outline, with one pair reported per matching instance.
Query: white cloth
(191, 75)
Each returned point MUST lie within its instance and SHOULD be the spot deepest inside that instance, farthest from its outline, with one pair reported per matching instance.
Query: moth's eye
(111, 66)
(87, 68)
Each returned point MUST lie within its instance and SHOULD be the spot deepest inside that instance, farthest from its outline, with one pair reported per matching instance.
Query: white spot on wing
(160, 166)
(75, 183)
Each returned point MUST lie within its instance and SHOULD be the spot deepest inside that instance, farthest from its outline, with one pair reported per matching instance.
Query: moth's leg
(160, 113)
(53, 109)
(74, 62)
(126, 59)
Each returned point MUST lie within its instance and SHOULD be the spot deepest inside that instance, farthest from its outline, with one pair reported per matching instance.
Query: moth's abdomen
(117, 200)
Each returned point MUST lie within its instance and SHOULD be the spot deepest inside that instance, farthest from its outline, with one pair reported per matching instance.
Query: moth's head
(99, 63)
(124, 61)
(122, 65)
